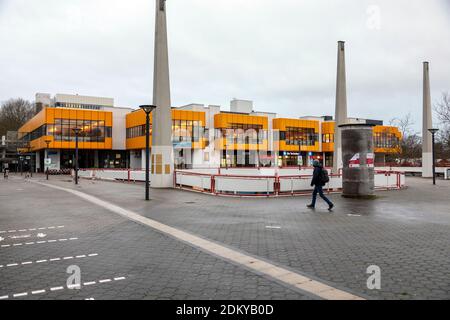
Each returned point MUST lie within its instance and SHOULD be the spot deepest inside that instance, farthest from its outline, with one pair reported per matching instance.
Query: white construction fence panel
(244, 185)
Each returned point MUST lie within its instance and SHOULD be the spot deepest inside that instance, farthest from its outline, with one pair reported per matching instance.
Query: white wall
(119, 128)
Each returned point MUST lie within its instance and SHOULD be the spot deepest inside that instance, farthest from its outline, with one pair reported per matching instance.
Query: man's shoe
(310, 206)
(330, 208)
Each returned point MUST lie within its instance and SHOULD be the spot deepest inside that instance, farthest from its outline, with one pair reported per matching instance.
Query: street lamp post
(433, 134)
(148, 109)
(77, 132)
(47, 142)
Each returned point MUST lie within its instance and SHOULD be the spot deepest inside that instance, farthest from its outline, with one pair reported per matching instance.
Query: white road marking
(16, 295)
(254, 264)
(56, 288)
(70, 287)
(119, 278)
(38, 292)
(21, 237)
(37, 242)
(105, 280)
(31, 229)
(272, 227)
(48, 260)
(74, 286)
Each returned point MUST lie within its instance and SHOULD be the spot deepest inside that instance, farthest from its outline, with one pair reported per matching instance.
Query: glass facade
(299, 136)
(182, 131)
(386, 140)
(92, 130)
(35, 134)
(238, 133)
(138, 131)
(328, 138)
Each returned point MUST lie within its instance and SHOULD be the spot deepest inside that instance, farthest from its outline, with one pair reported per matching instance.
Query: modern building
(101, 141)
(202, 136)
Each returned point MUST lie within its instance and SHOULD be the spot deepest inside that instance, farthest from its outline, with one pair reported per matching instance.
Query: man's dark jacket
(317, 177)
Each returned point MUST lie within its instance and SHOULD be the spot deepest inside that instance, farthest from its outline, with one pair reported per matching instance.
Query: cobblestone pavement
(107, 247)
(406, 233)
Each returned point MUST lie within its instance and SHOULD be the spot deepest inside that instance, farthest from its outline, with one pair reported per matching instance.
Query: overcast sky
(279, 53)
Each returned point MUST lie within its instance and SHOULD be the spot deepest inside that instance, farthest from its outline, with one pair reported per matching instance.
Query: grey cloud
(282, 54)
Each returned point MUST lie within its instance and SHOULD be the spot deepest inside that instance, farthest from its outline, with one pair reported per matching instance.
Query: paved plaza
(44, 230)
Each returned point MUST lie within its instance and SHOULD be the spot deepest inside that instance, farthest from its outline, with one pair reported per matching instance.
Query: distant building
(202, 136)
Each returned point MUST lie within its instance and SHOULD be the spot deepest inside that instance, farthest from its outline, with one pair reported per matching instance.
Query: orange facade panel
(47, 117)
(224, 120)
(137, 118)
(281, 124)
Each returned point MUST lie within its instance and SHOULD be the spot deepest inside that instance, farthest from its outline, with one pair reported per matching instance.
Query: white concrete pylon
(162, 149)
(341, 106)
(427, 149)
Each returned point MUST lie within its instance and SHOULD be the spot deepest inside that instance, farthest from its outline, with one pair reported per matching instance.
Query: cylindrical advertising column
(358, 176)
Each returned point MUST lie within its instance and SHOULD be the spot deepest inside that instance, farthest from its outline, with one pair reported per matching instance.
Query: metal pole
(46, 171)
(31, 164)
(147, 157)
(76, 157)
(434, 159)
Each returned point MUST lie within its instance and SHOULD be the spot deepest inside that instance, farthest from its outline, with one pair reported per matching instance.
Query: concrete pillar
(162, 148)
(341, 107)
(358, 173)
(427, 155)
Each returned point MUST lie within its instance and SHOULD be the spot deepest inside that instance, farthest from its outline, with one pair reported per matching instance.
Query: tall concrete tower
(162, 148)
(427, 151)
(341, 106)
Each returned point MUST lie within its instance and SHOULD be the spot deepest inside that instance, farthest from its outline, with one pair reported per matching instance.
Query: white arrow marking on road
(1, 239)
(41, 235)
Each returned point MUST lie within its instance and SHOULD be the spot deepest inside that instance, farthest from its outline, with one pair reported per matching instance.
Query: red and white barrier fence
(265, 182)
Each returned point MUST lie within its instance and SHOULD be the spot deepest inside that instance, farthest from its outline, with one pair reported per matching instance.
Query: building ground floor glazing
(61, 159)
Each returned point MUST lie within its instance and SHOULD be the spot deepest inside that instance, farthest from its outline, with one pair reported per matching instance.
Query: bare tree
(410, 145)
(14, 113)
(404, 124)
(443, 109)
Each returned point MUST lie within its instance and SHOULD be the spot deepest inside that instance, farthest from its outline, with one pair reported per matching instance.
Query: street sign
(48, 161)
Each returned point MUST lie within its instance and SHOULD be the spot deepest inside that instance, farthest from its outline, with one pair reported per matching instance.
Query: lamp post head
(48, 142)
(148, 108)
(433, 131)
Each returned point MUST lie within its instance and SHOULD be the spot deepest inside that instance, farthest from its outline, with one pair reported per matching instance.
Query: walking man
(320, 178)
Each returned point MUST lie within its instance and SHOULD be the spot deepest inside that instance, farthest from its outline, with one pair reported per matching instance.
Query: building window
(299, 136)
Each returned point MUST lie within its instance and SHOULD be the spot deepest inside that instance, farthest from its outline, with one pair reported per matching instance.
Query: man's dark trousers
(319, 190)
